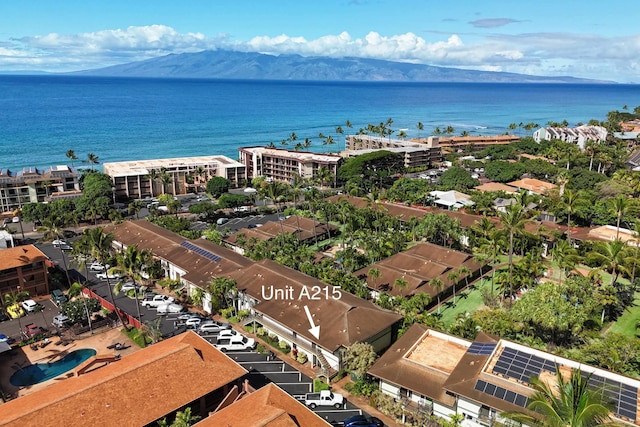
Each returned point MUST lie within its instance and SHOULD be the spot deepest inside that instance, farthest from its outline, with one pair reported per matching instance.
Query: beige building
(416, 154)
(33, 185)
(187, 174)
(284, 165)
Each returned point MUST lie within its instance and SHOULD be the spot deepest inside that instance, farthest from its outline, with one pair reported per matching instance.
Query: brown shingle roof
(301, 226)
(426, 377)
(405, 213)
(268, 407)
(19, 256)
(167, 245)
(418, 266)
(139, 389)
(343, 322)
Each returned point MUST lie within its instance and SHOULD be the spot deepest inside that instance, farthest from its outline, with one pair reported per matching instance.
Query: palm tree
(565, 403)
(453, 277)
(135, 207)
(131, 263)
(92, 159)
(75, 290)
(464, 271)
(611, 256)
(100, 244)
(438, 285)
(619, 207)
(221, 289)
(166, 179)
(566, 256)
(513, 220)
(420, 127)
(401, 283)
(571, 200)
(15, 298)
(374, 274)
(71, 155)
(153, 176)
(52, 229)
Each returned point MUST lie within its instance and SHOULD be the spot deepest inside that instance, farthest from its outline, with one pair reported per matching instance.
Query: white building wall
(390, 389)
(443, 411)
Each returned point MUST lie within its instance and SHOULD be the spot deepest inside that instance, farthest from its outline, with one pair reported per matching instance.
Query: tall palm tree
(619, 206)
(513, 220)
(374, 274)
(401, 283)
(611, 256)
(71, 155)
(568, 402)
(100, 244)
(75, 290)
(52, 229)
(420, 127)
(92, 159)
(453, 277)
(166, 179)
(131, 263)
(135, 207)
(153, 176)
(438, 285)
(571, 200)
(566, 256)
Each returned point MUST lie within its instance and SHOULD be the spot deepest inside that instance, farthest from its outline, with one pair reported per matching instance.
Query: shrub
(284, 346)
(261, 349)
(243, 314)
(227, 312)
(261, 332)
(302, 358)
(273, 337)
(319, 385)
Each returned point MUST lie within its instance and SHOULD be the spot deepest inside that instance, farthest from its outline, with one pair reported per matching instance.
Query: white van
(169, 308)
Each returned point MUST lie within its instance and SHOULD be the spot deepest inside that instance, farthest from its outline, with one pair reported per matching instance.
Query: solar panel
(200, 251)
(624, 397)
(502, 393)
(481, 348)
(520, 365)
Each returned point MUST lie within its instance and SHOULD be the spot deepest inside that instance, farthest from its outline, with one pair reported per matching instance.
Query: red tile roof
(20, 256)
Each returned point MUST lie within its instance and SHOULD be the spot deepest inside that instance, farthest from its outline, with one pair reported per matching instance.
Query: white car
(169, 308)
(235, 343)
(228, 333)
(193, 323)
(212, 327)
(130, 286)
(29, 305)
(59, 242)
(60, 320)
(105, 276)
(96, 266)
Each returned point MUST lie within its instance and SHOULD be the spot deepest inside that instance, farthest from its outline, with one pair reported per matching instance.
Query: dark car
(362, 421)
(58, 297)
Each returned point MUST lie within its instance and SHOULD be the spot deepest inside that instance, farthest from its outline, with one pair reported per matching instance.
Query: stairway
(327, 370)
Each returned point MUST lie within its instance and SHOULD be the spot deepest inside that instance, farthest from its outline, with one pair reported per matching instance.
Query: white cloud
(535, 53)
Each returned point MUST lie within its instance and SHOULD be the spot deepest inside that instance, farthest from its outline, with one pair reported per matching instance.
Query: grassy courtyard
(467, 301)
(626, 324)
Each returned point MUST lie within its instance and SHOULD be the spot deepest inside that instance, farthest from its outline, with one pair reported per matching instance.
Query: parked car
(66, 247)
(362, 421)
(3, 316)
(324, 398)
(59, 242)
(235, 343)
(14, 311)
(157, 300)
(130, 286)
(105, 276)
(58, 297)
(32, 329)
(192, 323)
(169, 308)
(96, 266)
(221, 221)
(212, 327)
(61, 321)
(29, 305)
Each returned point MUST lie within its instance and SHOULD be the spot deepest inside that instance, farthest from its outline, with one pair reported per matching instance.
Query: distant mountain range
(221, 64)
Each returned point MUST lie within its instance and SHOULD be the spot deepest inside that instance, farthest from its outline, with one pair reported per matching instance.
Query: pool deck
(11, 361)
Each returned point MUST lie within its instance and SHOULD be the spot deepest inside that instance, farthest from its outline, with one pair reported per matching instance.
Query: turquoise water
(40, 372)
(41, 117)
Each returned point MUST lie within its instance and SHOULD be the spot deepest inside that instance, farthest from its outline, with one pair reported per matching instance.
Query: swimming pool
(35, 374)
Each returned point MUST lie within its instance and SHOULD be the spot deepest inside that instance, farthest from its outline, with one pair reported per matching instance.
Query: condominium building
(24, 268)
(416, 154)
(142, 178)
(578, 135)
(32, 185)
(284, 165)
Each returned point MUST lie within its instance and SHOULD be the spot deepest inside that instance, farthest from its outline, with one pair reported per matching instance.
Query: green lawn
(468, 301)
(626, 324)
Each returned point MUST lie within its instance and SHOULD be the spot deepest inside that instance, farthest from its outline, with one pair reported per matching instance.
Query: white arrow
(315, 330)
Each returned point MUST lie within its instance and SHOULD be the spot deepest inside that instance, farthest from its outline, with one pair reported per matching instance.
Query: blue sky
(583, 38)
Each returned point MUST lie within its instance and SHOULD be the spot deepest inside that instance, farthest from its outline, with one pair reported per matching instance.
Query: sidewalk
(361, 402)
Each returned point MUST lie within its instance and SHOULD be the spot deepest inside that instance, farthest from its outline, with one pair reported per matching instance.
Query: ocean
(42, 117)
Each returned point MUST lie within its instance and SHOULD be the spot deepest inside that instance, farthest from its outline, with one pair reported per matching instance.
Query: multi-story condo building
(142, 178)
(415, 154)
(32, 185)
(285, 165)
(578, 135)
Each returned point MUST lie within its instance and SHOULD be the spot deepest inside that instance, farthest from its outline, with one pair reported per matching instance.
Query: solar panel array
(624, 397)
(203, 252)
(521, 365)
(481, 348)
(502, 393)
